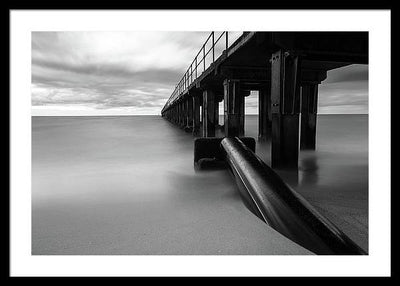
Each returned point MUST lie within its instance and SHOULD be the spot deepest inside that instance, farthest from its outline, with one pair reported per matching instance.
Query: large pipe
(281, 207)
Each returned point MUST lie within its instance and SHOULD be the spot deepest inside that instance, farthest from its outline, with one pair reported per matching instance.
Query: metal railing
(199, 64)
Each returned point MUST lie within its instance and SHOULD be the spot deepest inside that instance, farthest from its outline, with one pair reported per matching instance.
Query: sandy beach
(126, 185)
(135, 191)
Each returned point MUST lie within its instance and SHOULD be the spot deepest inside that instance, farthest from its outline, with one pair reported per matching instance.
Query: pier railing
(212, 48)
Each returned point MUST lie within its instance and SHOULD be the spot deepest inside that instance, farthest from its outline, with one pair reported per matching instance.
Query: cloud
(349, 73)
(118, 71)
(121, 72)
(345, 91)
(108, 70)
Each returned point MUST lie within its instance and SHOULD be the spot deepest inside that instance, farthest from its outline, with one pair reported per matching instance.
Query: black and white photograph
(218, 141)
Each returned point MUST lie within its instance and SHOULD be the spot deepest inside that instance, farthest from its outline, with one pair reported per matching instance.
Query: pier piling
(196, 114)
(189, 114)
(233, 108)
(285, 97)
(264, 112)
(208, 113)
(309, 98)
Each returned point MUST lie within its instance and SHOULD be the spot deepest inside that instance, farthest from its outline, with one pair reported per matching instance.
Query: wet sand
(126, 185)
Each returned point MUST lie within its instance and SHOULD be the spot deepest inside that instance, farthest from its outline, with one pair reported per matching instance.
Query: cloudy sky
(134, 73)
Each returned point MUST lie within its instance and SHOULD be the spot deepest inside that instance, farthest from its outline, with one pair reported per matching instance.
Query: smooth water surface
(126, 185)
(334, 177)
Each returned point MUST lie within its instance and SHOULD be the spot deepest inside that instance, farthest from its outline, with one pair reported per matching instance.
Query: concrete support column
(285, 97)
(216, 105)
(175, 114)
(184, 106)
(178, 113)
(264, 113)
(309, 103)
(242, 99)
(208, 113)
(233, 108)
(182, 123)
(189, 114)
(196, 114)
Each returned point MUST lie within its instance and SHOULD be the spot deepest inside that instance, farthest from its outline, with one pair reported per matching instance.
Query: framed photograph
(200, 142)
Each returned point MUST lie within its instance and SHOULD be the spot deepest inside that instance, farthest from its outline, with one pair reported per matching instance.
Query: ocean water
(334, 177)
(126, 185)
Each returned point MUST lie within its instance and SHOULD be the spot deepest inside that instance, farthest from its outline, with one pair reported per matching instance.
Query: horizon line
(108, 115)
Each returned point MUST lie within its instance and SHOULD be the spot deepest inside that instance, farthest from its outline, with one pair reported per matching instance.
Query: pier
(286, 69)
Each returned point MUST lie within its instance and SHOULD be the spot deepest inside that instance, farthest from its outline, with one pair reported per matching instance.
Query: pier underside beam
(208, 113)
(264, 112)
(309, 102)
(285, 97)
